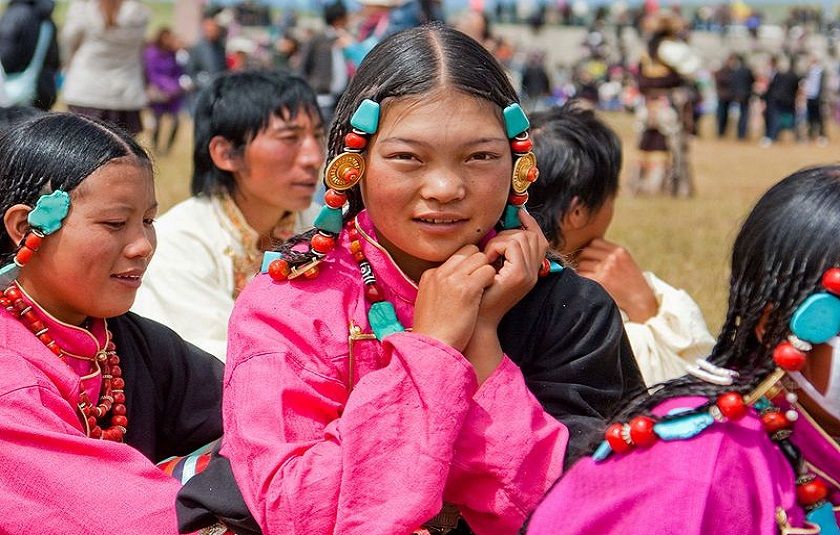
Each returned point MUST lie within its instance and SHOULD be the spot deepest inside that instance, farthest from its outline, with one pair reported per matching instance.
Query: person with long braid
(747, 441)
(404, 365)
(90, 394)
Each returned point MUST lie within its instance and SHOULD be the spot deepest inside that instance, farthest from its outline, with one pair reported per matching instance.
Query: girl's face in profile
(438, 176)
(93, 265)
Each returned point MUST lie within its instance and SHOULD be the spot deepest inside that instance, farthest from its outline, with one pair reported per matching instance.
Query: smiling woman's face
(93, 265)
(438, 176)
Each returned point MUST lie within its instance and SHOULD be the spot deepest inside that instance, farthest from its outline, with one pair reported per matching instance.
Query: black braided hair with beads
(55, 151)
(410, 63)
(791, 237)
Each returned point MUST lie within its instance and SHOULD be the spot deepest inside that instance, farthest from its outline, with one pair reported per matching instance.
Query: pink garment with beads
(311, 457)
(731, 478)
(53, 478)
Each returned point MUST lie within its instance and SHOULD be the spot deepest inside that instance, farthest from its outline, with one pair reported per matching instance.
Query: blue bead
(683, 427)
(515, 120)
(366, 117)
(510, 218)
(268, 258)
(554, 267)
(604, 450)
(817, 319)
(761, 404)
(8, 274)
(383, 320)
(329, 220)
(49, 212)
(823, 517)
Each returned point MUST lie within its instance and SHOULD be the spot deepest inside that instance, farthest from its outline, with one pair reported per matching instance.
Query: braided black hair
(791, 237)
(413, 62)
(55, 151)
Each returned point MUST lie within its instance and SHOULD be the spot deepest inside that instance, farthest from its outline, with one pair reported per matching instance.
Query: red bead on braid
(112, 395)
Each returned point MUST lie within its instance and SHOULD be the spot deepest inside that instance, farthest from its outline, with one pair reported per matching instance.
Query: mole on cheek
(478, 230)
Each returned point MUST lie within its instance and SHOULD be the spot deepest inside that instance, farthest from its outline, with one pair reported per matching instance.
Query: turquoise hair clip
(516, 121)
(366, 117)
(49, 212)
(46, 218)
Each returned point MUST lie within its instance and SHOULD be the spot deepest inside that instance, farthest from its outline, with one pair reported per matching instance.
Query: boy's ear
(223, 154)
(577, 216)
(15, 222)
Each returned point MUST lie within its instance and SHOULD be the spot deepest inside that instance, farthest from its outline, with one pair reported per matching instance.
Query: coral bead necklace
(112, 394)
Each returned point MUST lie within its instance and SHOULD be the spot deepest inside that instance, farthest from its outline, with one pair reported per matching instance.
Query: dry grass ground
(684, 241)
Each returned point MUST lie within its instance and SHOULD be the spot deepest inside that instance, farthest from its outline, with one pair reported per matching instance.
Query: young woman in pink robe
(757, 450)
(90, 395)
(418, 365)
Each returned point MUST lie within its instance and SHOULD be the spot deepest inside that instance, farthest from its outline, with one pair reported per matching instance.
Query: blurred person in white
(580, 159)
(103, 42)
(258, 148)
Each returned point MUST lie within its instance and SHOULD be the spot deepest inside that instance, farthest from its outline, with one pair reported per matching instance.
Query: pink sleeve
(54, 479)
(309, 459)
(508, 454)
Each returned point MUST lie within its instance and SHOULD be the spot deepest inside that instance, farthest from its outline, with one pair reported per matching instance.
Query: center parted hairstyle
(376, 384)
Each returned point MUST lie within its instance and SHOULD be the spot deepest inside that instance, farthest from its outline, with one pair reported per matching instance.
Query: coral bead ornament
(787, 357)
(279, 270)
(831, 280)
(615, 437)
(112, 396)
(334, 199)
(731, 405)
(521, 146)
(810, 490)
(641, 431)
(322, 243)
(774, 421)
(355, 141)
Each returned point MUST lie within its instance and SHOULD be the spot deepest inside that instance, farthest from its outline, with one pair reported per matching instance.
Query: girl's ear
(223, 154)
(15, 222)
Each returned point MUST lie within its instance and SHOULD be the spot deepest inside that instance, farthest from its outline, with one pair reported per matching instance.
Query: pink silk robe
(729, 479)
(312, 458)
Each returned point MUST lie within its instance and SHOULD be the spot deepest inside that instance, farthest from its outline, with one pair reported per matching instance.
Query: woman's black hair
(237, 106)
(411, 63)
(578, 156)
(788, 241)
(55, 151)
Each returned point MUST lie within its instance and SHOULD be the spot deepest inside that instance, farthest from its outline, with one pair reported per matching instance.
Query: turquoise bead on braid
(366, 117)
(510, 218)
(329, 220)
(383, 320)
(515, 120)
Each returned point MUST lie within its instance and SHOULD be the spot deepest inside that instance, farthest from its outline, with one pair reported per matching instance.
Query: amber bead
(279, 269)
(312, 272)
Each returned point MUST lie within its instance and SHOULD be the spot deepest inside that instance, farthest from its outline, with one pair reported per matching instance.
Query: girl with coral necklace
(746, 442)
(403, 365)
(90, 395)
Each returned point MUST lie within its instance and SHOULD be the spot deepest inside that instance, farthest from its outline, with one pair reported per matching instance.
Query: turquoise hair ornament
(383, 320)
(823, 516)
(817, 319)
(515, 120)
(510, 218)
(366, 117)
(329, 220)
(49, 212)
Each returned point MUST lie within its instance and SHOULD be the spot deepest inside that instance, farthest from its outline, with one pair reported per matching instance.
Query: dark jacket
(19, 29)
(317, 62)
(781, 93)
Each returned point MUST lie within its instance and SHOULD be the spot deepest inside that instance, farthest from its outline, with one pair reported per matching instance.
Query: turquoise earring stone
(49, 212)
(383, 320)
(510, 218)
(329, 220)
(817, 319)
(515, 120)
(366, 117)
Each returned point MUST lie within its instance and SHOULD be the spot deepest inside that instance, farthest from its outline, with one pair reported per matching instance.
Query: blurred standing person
(781, 103)
(163, 74)
(666, 118)
(742, 83)
(723, 88)
(21, 26)
(536, 83)
(207, 56)
(814, 88)
(103, 40)
(323, 64)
